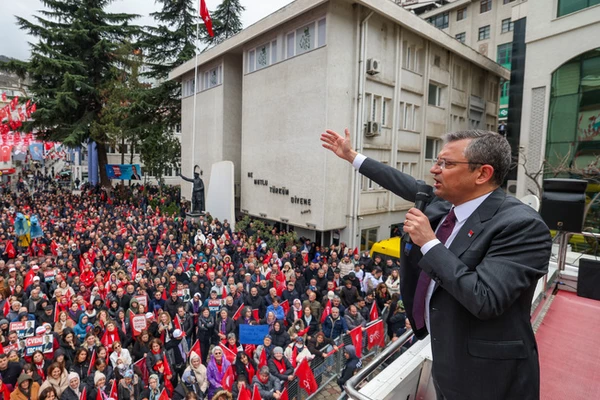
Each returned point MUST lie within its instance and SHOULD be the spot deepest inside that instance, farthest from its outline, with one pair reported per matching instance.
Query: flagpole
(195, 92)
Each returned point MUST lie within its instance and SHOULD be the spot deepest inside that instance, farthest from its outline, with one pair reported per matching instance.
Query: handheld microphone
(422, 200)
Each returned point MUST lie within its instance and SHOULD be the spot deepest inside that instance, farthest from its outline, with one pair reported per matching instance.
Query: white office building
(265, 95)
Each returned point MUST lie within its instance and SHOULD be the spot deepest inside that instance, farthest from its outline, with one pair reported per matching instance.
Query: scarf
(264, 381)
(224, 326)
(250, 371)
(280, 364)
(40, 370)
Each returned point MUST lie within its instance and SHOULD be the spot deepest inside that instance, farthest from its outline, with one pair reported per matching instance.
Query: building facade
(266, 94)
(560, 121)
(486, 26)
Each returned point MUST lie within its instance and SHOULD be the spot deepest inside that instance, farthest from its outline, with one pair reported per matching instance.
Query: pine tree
(226, 20)
(74, 59)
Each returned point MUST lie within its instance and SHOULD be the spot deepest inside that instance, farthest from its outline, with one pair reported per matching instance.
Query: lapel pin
(470, 233)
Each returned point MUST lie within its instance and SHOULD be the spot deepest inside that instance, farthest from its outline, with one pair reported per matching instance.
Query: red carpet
(569, 348)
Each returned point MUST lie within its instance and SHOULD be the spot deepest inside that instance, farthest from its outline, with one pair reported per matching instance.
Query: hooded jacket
(81, 329)
(34, 389)
(352, 364)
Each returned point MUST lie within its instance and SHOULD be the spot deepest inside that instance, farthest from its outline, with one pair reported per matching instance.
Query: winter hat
(40, 330)
(177, 333)
(97, 376)
(73, 375)
(153, 376)
(128, 374)
(277, 350)
(149, 315)
(4, 321)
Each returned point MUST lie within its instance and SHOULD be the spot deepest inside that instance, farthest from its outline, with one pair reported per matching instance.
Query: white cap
(12, 269)
(39, 330)
(177, 333)
(149, 315)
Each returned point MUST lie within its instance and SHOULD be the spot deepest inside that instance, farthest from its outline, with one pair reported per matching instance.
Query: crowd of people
(118, 300)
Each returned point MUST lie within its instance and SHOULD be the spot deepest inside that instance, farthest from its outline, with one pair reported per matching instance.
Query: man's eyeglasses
(443, 163)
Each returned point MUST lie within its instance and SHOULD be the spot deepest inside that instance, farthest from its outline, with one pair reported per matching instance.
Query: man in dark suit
(470, 275)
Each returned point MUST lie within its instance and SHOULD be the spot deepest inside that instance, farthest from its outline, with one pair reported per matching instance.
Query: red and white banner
(375, 335)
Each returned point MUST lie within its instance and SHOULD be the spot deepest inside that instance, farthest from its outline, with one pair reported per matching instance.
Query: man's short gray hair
(486, 147)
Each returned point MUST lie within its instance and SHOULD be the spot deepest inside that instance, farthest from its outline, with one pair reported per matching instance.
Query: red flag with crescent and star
(206, 18)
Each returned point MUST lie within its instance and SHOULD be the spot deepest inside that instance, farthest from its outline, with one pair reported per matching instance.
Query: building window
(507, 25)
(212, 77)
(504, 54)
(188, 87)
(461, 14)
(485, 6)
(262, 56)
(408, 167)
(440, 21)
(570, 6)
(385, 106)
(435, 95)
(409, 117)
(504, 88)
(412, 57)
(433, 146)
(484, 32)
(461, 37)
(368, 237)
(306, 38)
(507, 1)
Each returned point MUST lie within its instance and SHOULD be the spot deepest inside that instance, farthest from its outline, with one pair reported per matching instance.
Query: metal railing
(389, 351)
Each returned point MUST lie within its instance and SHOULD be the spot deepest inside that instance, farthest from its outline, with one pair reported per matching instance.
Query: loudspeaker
(563, 204)
(588, 280)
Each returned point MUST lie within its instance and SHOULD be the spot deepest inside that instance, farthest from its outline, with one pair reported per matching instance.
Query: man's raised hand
(340, 146)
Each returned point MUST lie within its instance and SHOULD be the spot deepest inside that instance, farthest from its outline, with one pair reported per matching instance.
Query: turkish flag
(357, 339)
(10, 249)
(254, 311)
(230, 355)
(228, 378)
(244, 394)
(375, 336)
(306, 378)
(141, 363)
(206, 18)
(284, 394)
(83, 395)
(5, 152)
(374, 314)
(238, 312)
(164, 395)
(262, 361)
(256, 393)
(326, 311)
(196, 349)
(113, 390)
(286, 306)
(92, 361)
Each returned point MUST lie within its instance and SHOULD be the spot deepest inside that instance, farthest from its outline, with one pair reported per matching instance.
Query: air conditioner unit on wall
(372, 128)
(373, 66)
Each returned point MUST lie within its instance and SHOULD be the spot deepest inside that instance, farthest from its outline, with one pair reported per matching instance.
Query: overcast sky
(13, 41)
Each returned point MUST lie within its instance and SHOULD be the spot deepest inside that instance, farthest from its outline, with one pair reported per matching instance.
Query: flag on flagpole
(262, 361)
(113, 390)
(196, 349)
(326, 311)
(230, 355)
(206, 18)
(228, 378)
(375, 336)
(92, 362)
(284, 394)
(141, 363)
(244, 394)
(286, 306)
(238, 312)
(357, 340)
(256, 393)
(306, 378)
(83, 395)
(164, 395)
(374, 313)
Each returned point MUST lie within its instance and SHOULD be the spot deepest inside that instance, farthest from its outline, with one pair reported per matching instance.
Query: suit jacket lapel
(475, 224)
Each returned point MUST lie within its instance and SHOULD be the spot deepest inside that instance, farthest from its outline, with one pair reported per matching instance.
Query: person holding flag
(217, 366)
(268, 386)
(198, 369)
